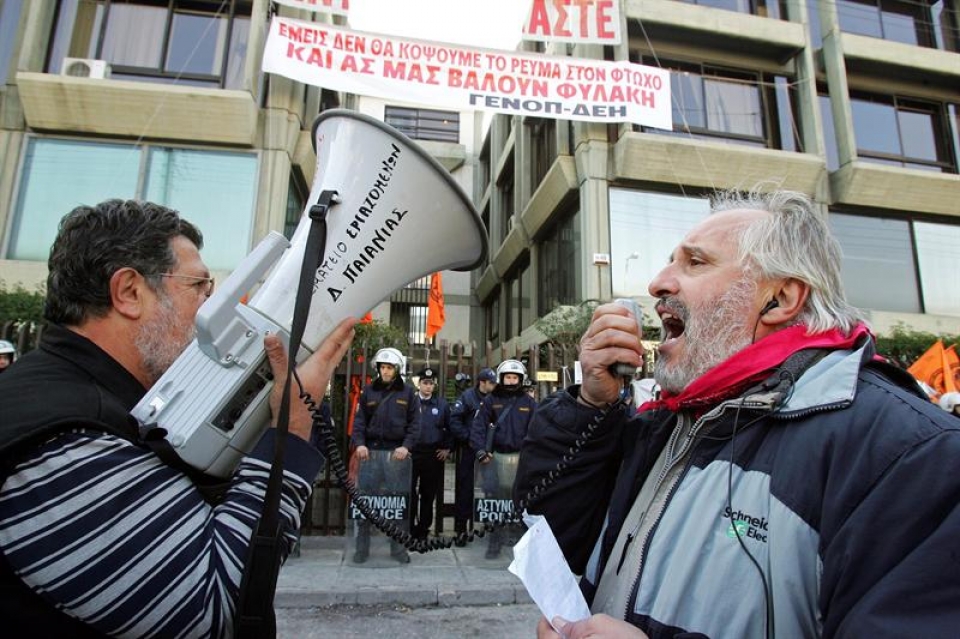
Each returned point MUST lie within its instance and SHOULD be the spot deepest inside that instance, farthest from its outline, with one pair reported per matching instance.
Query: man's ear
(791, 298)
(127, 290)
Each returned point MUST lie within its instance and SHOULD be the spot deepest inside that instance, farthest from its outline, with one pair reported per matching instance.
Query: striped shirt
(111, 535)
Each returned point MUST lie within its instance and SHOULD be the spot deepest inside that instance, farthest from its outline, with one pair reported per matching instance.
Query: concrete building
(167, 101)
(853, 102)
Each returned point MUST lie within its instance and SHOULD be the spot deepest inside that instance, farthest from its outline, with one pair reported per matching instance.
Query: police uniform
(500, 428)
(387, 417)
(435, 436)
(461, 421)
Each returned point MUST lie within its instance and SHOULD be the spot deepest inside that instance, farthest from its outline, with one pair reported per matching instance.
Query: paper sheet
(541, 566)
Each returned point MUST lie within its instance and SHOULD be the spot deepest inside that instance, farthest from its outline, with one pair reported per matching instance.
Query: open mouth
(673, 325)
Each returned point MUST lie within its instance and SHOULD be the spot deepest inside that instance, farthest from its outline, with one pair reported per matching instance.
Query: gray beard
(713, 331)
(161, 340)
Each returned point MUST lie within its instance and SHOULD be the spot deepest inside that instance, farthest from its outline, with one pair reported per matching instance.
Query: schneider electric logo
(746, 526)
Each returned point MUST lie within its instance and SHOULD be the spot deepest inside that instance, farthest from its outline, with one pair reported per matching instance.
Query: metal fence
(457, 365)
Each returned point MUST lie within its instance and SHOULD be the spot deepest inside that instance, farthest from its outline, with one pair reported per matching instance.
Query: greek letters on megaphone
(389, 199)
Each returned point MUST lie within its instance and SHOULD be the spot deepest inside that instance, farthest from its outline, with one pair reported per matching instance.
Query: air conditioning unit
(85, 68)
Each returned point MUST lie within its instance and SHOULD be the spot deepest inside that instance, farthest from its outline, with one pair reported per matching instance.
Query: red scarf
(751, 366)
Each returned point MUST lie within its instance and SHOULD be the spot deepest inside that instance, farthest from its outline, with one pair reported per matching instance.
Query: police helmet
(7, 348)
(510, 366)
(389, 356)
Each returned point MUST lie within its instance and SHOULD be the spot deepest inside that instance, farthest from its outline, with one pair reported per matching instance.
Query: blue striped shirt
(109, 534)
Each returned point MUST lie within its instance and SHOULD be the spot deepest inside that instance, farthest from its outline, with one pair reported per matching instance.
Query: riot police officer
(385, 428)
(461, 421)
(8, 353)
(430, 452)
(497, 433)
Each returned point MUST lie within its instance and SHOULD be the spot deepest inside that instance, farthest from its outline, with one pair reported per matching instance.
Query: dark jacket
(388, 416)
(462, 414)
(434, 425)
(842, 488)
(509, 411)
(66, 382)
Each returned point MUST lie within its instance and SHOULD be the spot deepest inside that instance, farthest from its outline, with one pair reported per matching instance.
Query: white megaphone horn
(395, 215)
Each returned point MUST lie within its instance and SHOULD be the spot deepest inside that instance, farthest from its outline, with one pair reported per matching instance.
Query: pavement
(324, 575)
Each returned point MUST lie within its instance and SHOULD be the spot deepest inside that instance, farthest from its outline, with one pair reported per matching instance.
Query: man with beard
(99, 536)
(788, 482)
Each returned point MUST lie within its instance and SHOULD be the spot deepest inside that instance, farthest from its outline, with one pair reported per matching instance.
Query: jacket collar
(59, 341)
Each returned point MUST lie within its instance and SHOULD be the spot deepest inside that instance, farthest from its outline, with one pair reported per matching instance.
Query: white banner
(596, 21)
(463, 78)
(336, 7)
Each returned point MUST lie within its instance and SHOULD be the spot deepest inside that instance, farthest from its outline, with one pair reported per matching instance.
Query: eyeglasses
(204, 284)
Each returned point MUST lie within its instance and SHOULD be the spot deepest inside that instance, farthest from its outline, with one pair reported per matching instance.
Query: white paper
(541, 566)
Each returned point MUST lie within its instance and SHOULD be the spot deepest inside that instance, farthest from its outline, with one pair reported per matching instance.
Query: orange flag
(368, 318)
(951, 370)
(929, 368)
(436, 316)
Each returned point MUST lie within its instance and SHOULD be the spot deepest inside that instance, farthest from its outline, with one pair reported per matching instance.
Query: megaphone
(395, 215)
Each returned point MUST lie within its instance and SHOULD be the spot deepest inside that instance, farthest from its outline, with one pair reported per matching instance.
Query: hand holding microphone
(608, 351)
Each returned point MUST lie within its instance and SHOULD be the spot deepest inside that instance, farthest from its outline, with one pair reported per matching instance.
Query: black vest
(65, 383)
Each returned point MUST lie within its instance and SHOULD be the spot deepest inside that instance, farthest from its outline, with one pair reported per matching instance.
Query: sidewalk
(324, 575)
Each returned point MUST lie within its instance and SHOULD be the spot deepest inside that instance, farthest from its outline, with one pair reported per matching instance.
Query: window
(9, 22)
(937, 261)
(543, 148)
(297, 195)
(408, 309)
(518, 309)
(917, 22)
(644, 229)
(506, 195)
(492, 318)
(424, 124)
(899, 265)
(216, 190)
(194, 42)
(878, 269)
(558, 265)
(902, 132)
(749, 108)
(768, 8)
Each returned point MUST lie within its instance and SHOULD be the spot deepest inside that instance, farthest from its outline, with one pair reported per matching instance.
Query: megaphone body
(395, 215)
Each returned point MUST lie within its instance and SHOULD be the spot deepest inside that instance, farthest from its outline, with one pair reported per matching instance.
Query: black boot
(399, 553)
(363, 544)
(460, 532)
(493, 546)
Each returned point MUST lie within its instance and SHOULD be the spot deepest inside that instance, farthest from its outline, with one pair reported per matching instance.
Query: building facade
(166, 101)
(854, 102)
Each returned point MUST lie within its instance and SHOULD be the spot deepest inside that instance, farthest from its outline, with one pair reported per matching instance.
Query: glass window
(216, 190)
(906, 21)
(937, 248)
(59, 175)
(902, 132)
(196, 42)
(742, 107)
(878, 268)
(9, 21)
(525, 297)
(424, 124)
(644, 229)
(560, 257)
(296, 203)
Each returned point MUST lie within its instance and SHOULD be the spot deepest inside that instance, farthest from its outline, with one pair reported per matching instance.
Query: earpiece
(772, 304)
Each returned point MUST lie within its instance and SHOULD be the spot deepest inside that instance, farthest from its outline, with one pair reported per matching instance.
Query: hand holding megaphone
(314, 374)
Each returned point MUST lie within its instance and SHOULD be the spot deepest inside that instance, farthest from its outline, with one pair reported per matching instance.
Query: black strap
(255, 614)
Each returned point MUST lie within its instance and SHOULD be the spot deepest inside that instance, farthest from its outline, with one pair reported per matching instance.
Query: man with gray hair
(787, 482)
(100, 535)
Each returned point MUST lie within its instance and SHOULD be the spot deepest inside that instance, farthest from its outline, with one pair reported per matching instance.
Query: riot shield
(493, 502)
(384, 485)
